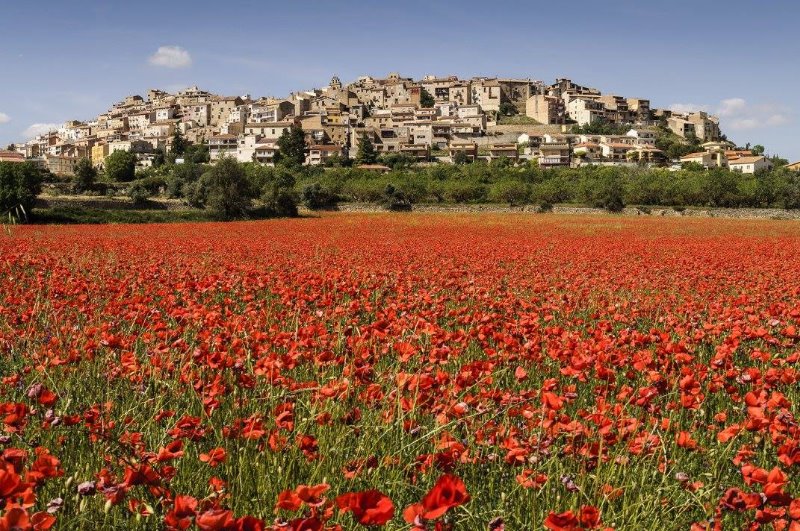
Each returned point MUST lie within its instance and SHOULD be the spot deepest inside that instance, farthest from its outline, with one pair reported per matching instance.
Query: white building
(585, 111)
(749, 164)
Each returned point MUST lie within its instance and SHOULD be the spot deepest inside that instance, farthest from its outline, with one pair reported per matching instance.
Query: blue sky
(739, 59)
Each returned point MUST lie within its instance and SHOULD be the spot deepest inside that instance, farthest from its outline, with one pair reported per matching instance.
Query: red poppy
(214, 457)
(566, 521)
(448, 492)
(370, 507)
(215, 520)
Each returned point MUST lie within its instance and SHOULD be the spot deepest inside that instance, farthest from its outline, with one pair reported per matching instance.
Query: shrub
(465, 192)
(120, 166)
(316, 197)
(226, 190)
(142, 189)
(19, 186)
(85, 176)
(278, 193)
(510, 191)
(395, 199)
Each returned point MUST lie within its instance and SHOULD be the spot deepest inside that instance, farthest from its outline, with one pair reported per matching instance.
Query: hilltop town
(434, 118)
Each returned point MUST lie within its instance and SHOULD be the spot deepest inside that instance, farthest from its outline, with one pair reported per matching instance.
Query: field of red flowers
(407, 371)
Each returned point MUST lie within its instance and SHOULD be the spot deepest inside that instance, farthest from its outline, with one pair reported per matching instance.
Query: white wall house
(749, 164)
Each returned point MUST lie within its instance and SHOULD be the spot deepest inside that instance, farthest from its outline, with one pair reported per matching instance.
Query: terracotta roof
(223, 137)
(326, 147)
(11, 156)
(617, 145)
(695, 155)
(746, 160)
(553, 145)
(268, 124)
(463, 144)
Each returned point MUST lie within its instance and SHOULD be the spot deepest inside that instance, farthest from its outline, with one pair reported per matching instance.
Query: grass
(519, 119)
(93, 216)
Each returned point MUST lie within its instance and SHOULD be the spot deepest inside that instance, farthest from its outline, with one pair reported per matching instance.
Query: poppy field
(411, 371)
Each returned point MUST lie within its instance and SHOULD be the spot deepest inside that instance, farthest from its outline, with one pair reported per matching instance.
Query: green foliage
(777, 161)
(465, 191)
(758, 149)
(292, 146)
(180, 176)
(142, 189)
(366, 153)
(71, 215)
(275, 186)
(20, 183)
(395, 199)
(673, 145)
(158, 158)
(316, 197)
(508, 109)
(511, 191)
(397, 161)
(120, 167)
(179, 143)
(225, 190)
(85, 176)
(601, 126)
(460, 158)
(197, 154)
(426, 101)
(609, 194)
(604, 187)
(692, 166)
(336, 161)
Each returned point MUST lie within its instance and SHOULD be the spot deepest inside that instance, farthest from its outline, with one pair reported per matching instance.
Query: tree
(460, 158)
(425, 99)
(179, 143)
(395, 199)
(120, 166)
(226, 190)
(19, 186)
(197, 154)
(366, 153)
(292, 147)
(508, 109)
(692, 166)
(158, 158)
(85, 176)
(757, 150)
(778, 161)
(606, 191)
(278, 193)
(316, 197)
(510, 191)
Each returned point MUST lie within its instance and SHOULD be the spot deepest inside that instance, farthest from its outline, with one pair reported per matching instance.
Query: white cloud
(39, 129)
(744, 123)
(778, 119)
(732, 107)
(686, 107)
(739, 114)
(4, 118)
(171, 57)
